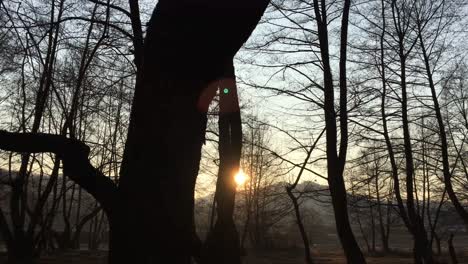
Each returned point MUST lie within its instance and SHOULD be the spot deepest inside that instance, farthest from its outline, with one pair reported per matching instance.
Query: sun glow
(240, 178)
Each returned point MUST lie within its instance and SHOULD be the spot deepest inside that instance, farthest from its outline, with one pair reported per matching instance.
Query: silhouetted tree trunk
(222, 244)
(453, 255)
(421, 22)
(372, 218)
(383, 233)
(168, 123)
(421, 248)
(297, 211)
(336, 158)
(386, 134)
(150, 213)
(438, 244)
(20, 245)
(300, 225)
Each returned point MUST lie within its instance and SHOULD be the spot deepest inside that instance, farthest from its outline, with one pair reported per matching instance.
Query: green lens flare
(226, 90)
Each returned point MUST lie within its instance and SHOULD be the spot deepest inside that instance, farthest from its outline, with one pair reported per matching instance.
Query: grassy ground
(294, 256)
(291, 256)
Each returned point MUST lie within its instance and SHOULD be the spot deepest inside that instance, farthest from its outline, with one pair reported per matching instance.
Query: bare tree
(181, 106)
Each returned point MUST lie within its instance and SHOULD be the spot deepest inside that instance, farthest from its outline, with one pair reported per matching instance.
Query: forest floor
(292, 256)
(295, 256)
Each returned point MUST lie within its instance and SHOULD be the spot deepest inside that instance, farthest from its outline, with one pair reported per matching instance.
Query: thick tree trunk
(187, 46)
(422, 250)
(185, 54)
(157, 201)
(21, 251)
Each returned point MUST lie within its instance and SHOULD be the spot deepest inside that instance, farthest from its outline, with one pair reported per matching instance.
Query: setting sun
(240, 178)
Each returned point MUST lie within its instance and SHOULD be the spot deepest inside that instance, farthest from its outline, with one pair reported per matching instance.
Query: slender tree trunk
(294, 200)
(222, 244)
(388, 219)
(438, 244)
(383, 235)
(249, 195)
(386, 134)
(372, 218)
(442, 134)
(22, 247)
(453, 255)
(336, 160)
(300, 225)
(421, 249)
(363, 233)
